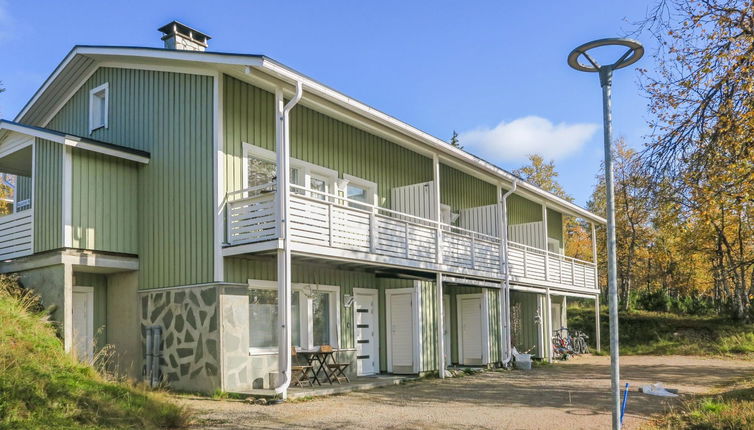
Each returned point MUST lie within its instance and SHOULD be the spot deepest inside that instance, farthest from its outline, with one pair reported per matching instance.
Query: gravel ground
(572, 394)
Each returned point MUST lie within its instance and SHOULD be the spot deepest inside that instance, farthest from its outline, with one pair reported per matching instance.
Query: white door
(83, 323)
(401, 342)
(446, 327)
(366, 332)
(470, 330)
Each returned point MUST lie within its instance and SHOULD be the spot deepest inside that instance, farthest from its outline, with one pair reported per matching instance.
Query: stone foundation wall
(189, 318)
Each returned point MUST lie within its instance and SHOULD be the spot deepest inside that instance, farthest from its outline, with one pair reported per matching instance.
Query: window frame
(306, 320)
(94, 123)
(369, 186)
(305, 168)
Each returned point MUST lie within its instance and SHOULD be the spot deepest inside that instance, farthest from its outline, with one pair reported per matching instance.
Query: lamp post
(633, 53)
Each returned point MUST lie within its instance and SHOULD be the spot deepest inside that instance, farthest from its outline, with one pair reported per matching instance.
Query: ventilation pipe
(505, 308)
(284, 255)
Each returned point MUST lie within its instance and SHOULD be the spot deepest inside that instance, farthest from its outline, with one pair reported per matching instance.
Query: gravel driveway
(573, 394)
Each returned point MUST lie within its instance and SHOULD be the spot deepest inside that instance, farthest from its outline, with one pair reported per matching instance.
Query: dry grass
(731, 408)
(43, 387)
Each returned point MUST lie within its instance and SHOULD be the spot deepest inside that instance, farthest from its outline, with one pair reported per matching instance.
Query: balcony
(16, 235)
(323, 224)
(536, 266)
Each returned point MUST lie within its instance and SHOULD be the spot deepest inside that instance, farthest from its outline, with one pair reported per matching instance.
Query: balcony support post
(594, 255)
(597, 341)
(546, 248)
(437, 205)
(440, 327)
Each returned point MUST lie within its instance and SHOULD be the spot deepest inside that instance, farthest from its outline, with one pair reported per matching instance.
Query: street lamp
(633, 53)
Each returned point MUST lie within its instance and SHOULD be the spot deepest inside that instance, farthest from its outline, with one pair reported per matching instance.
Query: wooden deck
(323, 224)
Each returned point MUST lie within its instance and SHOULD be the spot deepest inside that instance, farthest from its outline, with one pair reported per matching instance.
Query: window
(314, 316)
(360, 190)
(318, 183)
(98, 107)
(263, 319)
(321, 318)
(260, 166)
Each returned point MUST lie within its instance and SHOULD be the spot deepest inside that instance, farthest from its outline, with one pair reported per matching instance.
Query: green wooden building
(203, 212)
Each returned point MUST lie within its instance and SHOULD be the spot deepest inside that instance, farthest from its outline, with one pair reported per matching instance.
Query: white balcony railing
(537, 264)
(319, 219)
(16, 235)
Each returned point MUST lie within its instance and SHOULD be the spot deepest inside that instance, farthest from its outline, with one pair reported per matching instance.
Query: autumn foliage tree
(701, 100)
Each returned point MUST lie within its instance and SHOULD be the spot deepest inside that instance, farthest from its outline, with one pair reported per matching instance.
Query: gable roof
(77, 141)
(83, 60)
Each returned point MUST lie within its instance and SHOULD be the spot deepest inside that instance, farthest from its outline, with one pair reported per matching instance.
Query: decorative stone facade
(189, 318)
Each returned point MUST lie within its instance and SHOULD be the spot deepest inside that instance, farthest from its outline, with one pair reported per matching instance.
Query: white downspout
(505, 309)
(284, 255)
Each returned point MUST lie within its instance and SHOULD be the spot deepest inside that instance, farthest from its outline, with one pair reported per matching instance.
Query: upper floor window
(260, 166)
(360, 190)
(98, 107)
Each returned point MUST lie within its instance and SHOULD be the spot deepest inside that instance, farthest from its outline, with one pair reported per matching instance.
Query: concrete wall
(123, 322)
(54, 285)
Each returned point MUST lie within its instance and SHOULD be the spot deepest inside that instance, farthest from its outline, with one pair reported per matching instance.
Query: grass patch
(730, 408)
(660, 333)
(43, 387)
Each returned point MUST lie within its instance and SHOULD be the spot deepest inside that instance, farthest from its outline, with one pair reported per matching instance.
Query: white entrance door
(446, 327)
(366, 332)
(401, 333)
(470, 345)
(83, 323)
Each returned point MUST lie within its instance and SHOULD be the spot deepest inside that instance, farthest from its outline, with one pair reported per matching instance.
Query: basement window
(98, 107)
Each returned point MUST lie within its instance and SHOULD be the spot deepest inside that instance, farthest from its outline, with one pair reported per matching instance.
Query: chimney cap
(174, 27)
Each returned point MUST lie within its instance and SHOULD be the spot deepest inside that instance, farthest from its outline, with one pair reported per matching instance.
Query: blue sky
(494, 71)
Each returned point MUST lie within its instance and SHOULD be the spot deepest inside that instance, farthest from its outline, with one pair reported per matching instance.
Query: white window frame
(306, 169)
(94, 123)
(306, 319)
(370, 186)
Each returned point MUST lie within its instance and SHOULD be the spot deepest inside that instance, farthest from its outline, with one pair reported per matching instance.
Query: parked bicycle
(566, 344)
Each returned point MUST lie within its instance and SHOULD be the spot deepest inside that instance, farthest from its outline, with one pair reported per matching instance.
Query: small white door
(83, 323)
(401, 332)
(366, 332)
(470, 330)
(446, 328)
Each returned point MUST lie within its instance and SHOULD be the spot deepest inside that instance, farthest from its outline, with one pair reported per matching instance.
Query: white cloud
(513, 141)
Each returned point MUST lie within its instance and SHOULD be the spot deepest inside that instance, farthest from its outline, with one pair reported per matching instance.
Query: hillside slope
(662, 333)
(43, 387)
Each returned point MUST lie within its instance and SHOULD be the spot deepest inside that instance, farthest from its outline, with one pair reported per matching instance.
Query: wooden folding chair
(337, 370)
(300, 373)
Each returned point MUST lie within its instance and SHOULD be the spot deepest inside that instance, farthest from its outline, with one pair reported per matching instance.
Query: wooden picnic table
(321, 358)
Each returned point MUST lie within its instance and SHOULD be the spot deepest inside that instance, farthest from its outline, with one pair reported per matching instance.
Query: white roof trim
(321, 90)
(73, 141)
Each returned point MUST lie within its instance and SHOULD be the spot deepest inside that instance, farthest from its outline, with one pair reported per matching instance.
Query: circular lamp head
(632, 55)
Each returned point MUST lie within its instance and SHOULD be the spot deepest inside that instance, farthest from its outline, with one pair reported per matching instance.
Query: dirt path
(573, 394)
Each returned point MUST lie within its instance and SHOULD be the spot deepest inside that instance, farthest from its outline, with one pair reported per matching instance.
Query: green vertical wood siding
(555, 225)
(461, 191)
(104, 203)
(529, 333)
(315, 138)
(521, 210)
(48, 196)
(170, 115)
